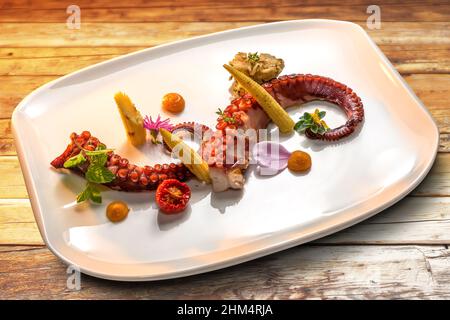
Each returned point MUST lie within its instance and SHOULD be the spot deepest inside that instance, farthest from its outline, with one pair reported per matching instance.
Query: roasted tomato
(172, 196)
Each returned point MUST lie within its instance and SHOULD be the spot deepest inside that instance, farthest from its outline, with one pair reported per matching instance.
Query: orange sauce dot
(117, 211)
(173, 102)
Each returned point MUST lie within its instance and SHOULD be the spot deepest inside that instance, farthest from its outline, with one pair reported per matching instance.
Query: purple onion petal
(271, 155)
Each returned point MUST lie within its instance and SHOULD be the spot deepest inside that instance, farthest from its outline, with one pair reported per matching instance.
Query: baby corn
(275, 112)
(131, 118)
(191, 159)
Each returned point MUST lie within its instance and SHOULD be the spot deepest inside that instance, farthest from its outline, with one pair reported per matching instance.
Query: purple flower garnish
(154, 126)
(272, 157)
(157, 124)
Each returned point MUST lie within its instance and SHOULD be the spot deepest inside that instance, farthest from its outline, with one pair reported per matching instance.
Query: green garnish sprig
(313, 122)
(224, 117)
(253, 57)
(96, 172)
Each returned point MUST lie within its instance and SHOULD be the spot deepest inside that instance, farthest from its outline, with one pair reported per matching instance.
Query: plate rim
(247, 256)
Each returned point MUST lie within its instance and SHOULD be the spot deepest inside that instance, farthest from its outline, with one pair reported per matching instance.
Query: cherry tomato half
(172, 196)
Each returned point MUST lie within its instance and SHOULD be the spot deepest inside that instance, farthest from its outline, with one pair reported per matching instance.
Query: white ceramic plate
(349, 181)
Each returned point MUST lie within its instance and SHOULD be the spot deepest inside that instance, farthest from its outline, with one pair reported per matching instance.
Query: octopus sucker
(129, 176)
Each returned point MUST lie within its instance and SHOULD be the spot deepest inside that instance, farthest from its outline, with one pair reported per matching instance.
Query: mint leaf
(98, 160)
(75, 161)
(99, 156)
(98, 152)
(95, 194)
(90, 192)
(99, 174)
(85, 194)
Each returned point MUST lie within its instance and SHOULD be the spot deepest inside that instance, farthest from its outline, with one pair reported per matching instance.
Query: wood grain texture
(56, 4)
(303, 272)
(210, 13)
(154, 33)
(407, 59)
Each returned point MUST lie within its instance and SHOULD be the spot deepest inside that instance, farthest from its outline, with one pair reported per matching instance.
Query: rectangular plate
(349, 181)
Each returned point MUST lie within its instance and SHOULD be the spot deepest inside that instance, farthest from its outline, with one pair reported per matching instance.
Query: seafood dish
(260, 96)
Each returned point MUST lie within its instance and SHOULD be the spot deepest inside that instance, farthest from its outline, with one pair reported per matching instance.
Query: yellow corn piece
(191, 159)
(131, 118)
(275, 112)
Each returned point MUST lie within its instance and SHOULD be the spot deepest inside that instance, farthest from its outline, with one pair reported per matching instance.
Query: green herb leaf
(101, 146)
(75, 161)
(99, 174)
(95, 194)
(85, 194)
(99, 156)
(98, 152)
(307, 122)
(253, 57)
(322, 114)
(90, 192)
(219, 112)
(307, 116)
(229, 119)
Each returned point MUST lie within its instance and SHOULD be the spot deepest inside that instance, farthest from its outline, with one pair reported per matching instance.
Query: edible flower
(313, 122)
(271, 157)
(154, 126)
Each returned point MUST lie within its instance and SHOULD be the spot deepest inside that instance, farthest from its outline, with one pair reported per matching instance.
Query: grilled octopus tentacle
(191, 127)
(246, 113)
(299, 88)
(129, 177)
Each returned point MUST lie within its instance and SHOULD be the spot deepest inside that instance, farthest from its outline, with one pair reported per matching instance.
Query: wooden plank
(14, 89)
(212, 12)
(304, 272)
(154, 33)
(6, 139)
(59, 61)
(444, 145)
(56, 4)
(17, 224)
(411, 221)
(437, 183)
(11, 182)
(433, 94)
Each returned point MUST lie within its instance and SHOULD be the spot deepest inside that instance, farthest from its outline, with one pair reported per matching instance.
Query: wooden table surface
(400, 253)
